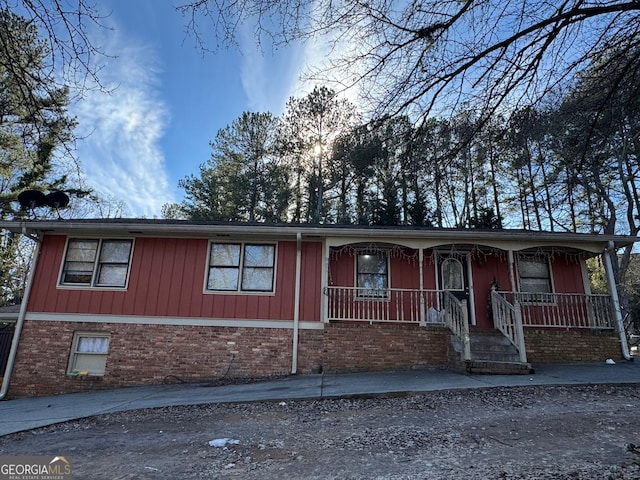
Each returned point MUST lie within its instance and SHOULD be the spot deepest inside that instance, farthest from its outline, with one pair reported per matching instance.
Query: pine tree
(33, 126)
(244, 180)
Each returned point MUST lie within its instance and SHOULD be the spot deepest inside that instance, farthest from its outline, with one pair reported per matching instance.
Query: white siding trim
(143, 320)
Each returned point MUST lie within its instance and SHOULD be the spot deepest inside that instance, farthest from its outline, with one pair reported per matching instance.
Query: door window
(452, 274)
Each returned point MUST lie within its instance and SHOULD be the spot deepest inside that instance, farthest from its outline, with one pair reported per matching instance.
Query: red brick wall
(156, 354)
(364, 347)
(145, 354)
(549, 345)
(148, 354)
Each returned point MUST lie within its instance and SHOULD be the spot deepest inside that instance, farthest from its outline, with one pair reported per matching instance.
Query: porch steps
(491, 345)
(492, 353)
(497, 368)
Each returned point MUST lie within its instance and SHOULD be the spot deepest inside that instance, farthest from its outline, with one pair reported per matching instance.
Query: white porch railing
(457, 320)
(507, 318)
(562, 310)
(384, 305)
(401, 306)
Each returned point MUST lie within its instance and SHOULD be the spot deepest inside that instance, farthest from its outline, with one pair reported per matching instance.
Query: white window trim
(462, 275)
(239, 291)
(552, 286)
(381, 298)
(78, 286)
(74, 347)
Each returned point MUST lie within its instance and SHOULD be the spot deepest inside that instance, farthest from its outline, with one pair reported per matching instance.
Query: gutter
(21, 316)
(296, 305)
(615, 300)
(189, 229)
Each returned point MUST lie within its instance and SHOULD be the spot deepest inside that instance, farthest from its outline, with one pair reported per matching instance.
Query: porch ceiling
(506, 242)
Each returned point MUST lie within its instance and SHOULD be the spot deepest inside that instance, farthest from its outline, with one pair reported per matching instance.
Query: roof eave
(206, 230)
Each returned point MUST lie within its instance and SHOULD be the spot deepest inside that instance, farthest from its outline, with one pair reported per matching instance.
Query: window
(96, 263)
(535, 278)
(240, 267)
(89, 353)
(452, 274)
(372, 275)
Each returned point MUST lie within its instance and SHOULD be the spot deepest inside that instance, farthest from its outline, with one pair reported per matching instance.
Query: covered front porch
(511, 311)
(461, 286)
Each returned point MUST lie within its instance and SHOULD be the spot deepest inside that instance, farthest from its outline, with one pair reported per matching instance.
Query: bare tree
(65, 32)
(426, 56)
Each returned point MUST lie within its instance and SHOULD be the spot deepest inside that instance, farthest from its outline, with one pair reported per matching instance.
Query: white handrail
(457, 319)
(507, 318)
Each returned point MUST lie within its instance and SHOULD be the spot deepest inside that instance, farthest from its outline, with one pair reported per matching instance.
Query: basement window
(89, 354)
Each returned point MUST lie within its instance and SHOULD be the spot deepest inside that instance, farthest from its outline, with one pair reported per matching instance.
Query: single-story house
(121, 302)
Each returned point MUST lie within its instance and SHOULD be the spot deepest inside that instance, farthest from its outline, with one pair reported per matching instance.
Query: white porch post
(296, 306)
(522, 348)
(512, 274)
(423, 320)
(466, 339)
(522, 352)
(472, 300)
(324, 306)
(615, 300)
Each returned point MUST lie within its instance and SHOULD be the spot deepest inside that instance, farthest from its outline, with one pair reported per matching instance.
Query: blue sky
(168, 101)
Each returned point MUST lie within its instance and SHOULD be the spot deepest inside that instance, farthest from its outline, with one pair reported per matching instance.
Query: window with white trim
(534, 274)
(96, 262)
(372, 275)
(89, 353)
(452, 274)
(241, 267)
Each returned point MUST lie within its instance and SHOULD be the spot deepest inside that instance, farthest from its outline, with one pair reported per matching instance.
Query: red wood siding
(485, 270)
(567, 275)
(403, 270)
(167, 279)
(429, 271)
(342, 269)
(311, 281)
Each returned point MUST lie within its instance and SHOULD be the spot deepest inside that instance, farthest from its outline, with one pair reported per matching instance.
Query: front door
(453, 276)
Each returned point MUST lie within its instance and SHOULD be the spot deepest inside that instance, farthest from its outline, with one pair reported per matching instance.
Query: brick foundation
(156, 354)
(364, 347)
(549, 345)
(146, 355)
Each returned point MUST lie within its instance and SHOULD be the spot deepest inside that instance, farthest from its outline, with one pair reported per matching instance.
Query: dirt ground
(580, 432)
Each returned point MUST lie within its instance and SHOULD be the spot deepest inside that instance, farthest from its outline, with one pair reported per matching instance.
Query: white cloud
(120, 152)
(267, 72)
(270, 77)
(253, 73)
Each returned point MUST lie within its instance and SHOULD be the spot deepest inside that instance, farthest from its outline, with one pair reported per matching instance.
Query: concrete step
(491, 345)
(491, 353)
(497, 368)
(495, 356)
(489, 340)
